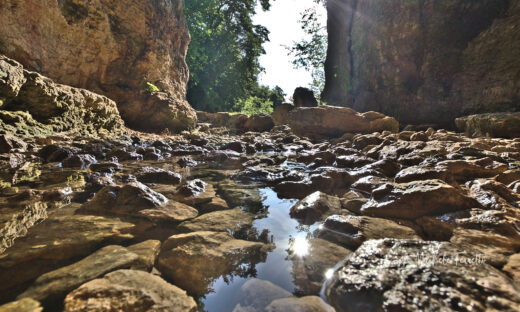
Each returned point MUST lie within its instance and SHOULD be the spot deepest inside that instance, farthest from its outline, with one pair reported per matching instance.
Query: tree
(310, 53)
(223, 56)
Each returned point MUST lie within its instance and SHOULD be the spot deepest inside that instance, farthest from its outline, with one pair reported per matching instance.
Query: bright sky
(282, 22)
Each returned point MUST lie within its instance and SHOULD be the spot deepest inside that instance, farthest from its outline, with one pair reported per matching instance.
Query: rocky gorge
(310, 208)
(260, 221)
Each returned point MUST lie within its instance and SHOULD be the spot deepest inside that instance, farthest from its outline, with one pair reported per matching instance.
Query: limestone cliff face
(424, 61)
(111, 47)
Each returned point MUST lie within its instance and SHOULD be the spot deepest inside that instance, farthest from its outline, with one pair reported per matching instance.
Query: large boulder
(56, 242)
(304, 97)
(237, 122)
(137, 200)
(133, 52)
(52, 287)
(423, 62)
(281, 114)
(195, 260)
(33, 104)
(352, 231)
(331, 121)
(410, 275)
(505, 125)
(259, 123)
(24, 305)
(416, 199)
(129, 290)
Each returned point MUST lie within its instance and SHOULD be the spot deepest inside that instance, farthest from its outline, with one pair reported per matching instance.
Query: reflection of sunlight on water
(329, 273)
(300, 246)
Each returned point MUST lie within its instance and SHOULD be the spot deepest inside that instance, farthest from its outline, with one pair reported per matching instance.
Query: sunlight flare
(300, 247)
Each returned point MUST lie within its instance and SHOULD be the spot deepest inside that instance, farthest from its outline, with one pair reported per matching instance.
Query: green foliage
(310, 53)
(255, 105)
(150, 87)
(275, 95)
(223, 56)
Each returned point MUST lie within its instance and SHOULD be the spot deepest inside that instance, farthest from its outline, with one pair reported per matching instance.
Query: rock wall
(424, 61)
(110, 47)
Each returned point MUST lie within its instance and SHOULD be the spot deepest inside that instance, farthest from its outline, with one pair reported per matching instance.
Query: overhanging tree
(223, 56)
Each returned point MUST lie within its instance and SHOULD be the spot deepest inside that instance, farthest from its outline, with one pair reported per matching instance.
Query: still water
(291, 240)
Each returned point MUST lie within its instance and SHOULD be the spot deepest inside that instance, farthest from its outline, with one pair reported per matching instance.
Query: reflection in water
(277, 268)
(300, 247)
(329, 273)
(299, 263)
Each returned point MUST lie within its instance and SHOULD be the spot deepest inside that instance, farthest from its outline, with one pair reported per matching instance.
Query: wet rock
(512, 267)
(416, 173)
(123, 155)
(23, 305)
(399, 148)
(105, 167)
(416, 199)
(194, 260)
(460, 170)
(419, 136)
(54, 243)
(308, 157)
(369, 182)
(504, 222)
(309, 270)
(157, 175)
(309, 303)
(234, 146)
(354, 161)
(331, 180)
(493, 195)
(333, 121)
(81, 161)
(147, 253)
(52, 287)
(194, 192)
(216, 204)
(362, 141)
(435, 228)
(9, 143)
(353, 201)
(259, 123)
(315, 207)
(54, 153)
(247, 197)
(137, 200)
(495, 248)
(387, 167)
(184, 150)
(185, 162)
(129, 290)
(418, 276)
(352, 231)
(293, 189)
(152, 156)
(509, 176)
(232, 221)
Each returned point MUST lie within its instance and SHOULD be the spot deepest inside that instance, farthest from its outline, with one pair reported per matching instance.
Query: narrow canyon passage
(148, 163)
